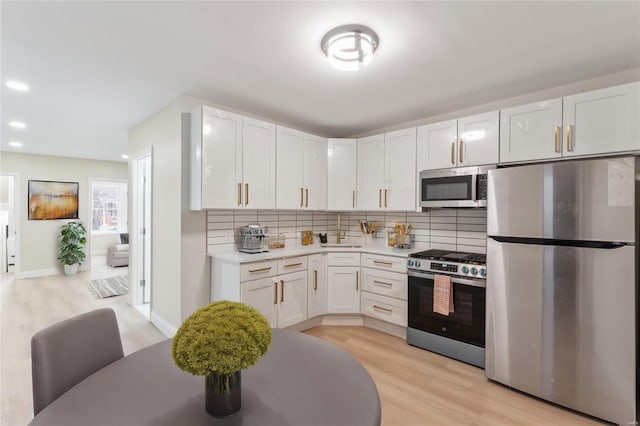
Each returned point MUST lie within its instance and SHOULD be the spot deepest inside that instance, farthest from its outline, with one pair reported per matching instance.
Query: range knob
(417, 263)
(474, 271)
(409, 262)
(465, 270)
(483, 272)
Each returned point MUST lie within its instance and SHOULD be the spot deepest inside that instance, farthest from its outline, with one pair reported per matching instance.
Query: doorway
(142, 214)
(8, 224)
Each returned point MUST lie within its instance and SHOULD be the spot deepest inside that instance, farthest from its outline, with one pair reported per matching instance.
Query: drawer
(255, 270)
(383, 308)
(385, 283)
(292, 264)
(390, 263)
(343, 259)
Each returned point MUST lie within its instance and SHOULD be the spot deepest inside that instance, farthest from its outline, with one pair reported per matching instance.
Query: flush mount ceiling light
(17, 124)
(350, 47)
(17, 85)
(15, 144)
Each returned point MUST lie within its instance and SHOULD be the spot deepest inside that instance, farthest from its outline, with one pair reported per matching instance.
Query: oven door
(467, 322)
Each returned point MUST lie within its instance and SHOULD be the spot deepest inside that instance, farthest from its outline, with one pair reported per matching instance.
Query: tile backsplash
(453, 229)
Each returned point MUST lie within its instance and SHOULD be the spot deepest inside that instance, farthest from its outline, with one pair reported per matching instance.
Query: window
(108, 207)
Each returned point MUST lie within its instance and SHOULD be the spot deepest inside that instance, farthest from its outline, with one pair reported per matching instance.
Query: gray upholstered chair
(65, 353)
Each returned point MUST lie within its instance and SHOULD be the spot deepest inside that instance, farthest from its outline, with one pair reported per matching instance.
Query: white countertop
(374, 247)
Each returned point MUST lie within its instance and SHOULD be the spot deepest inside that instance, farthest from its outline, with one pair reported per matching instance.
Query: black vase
(223, 394)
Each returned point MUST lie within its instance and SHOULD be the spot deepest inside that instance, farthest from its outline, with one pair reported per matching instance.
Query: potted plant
(218, 341)
(73, 237)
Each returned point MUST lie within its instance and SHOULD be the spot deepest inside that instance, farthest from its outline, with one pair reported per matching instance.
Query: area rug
(109, 287)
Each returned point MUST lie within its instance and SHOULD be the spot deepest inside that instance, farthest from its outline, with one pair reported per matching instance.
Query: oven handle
(455, 280)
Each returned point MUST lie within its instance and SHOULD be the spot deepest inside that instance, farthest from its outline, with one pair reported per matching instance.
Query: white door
(317, 290)
(221, 156)
(289, 170)
(292, 307)
(315, 172)
(437, 145)
(343, 289)
(258, 164)
(262, 295)
(400, 170)
(342, 178)
(478, 139)
(143, 246)
(531, 132)
(370, 172)
(602, 121)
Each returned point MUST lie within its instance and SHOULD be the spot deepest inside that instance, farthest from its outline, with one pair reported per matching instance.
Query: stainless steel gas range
(460, 334)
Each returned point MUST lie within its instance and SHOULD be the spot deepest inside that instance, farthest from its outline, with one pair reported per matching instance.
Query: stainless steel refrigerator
(562, 283)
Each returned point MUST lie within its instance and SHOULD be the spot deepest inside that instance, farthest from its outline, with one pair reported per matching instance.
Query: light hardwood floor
(416, 387)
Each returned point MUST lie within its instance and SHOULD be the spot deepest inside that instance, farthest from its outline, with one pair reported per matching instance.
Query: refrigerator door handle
(563, 243)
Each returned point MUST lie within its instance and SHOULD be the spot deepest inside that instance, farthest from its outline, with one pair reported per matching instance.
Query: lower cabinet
(343, 289)
(317, 285)
(262, 295)
(384, 308)
(384, 288)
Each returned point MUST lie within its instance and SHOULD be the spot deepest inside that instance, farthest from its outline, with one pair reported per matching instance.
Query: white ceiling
(96, 69)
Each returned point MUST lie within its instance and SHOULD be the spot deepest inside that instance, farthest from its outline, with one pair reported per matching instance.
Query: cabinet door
(478, 139)
(370, 172)
(258, 164)
(262, 295)
(317, 290)
(602, 121)
(221, 155)
(315, 172)
(342, 179)
(531, 132)
(400, 170)
(343, 292)
(437, 145)
(289, 170)
(292, 302)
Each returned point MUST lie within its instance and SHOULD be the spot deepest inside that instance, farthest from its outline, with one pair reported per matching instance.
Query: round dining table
(301, 380)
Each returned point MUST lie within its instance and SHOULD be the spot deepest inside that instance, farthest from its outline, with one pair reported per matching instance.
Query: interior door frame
(17, 188)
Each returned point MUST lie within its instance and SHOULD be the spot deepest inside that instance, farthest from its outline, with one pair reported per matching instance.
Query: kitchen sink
(352, 245)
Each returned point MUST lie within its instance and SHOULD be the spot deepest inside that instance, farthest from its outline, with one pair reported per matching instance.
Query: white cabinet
(216, 153)
(232, 161)
(387, 171)
(301, 173)
(342, 174)
(343, 289)
(262, 295)
(317, 290)
(590, 123)
(467, 141)
(292, 298)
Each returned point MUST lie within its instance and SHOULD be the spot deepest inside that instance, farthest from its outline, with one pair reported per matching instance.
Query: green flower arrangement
(220, 339)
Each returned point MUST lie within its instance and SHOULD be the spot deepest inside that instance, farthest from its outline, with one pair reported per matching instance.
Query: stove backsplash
(451, 229)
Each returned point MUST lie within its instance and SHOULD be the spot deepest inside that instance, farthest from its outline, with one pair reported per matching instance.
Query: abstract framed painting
(51, 200)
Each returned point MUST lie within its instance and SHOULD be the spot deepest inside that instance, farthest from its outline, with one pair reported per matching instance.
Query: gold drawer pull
(306, 203)
(293, 264)
(275, 292)
(239, 194)
(385, 198)
(556, 140)
(357, 279)
(569, 144)
(353, 199)
(460, 151)
(315, 280)
(380, 308)
(246, 194)
(383, 283)
(301, 197)
(453, 153)
(380, 198)
(282, 290)
(260, 270)
(380, 262)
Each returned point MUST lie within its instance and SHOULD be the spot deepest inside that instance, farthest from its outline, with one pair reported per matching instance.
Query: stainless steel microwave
(459, 187)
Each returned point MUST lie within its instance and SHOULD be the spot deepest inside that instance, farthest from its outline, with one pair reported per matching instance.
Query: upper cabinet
(387, 171)
(258, 164)
(467, 141)
(342, 175)
(301, 173)
(590, 123)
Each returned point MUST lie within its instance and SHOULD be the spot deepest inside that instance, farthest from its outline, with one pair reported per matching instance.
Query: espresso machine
(252, 239)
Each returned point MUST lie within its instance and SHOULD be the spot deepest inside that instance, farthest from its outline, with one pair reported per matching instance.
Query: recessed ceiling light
(17, 124)
(350, 47)
(15, 144)
(125, 156)
(17, 85)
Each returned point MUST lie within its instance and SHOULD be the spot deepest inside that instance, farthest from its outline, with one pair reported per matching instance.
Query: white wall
(38, 238)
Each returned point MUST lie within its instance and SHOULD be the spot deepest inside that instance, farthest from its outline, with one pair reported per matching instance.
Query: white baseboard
(162, 325)
(38, 273)
(385, 327)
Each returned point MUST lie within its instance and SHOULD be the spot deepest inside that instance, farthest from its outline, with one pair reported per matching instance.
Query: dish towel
(442, 295)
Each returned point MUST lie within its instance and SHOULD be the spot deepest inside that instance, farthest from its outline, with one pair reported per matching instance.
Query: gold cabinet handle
(315, 280)
(382, 309)
(275, 292)
(239, 194)
(383, 283)
(453, 153)
(306, 203)
(569, 140)
(460, 151)
(385, 198)
(357, 279)
(380, 262)
(301, 197)
(556, 139)
(281, 290)
(246, 194)
(260, 270)
(353, 199)
(291, 265)
(380, 198)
